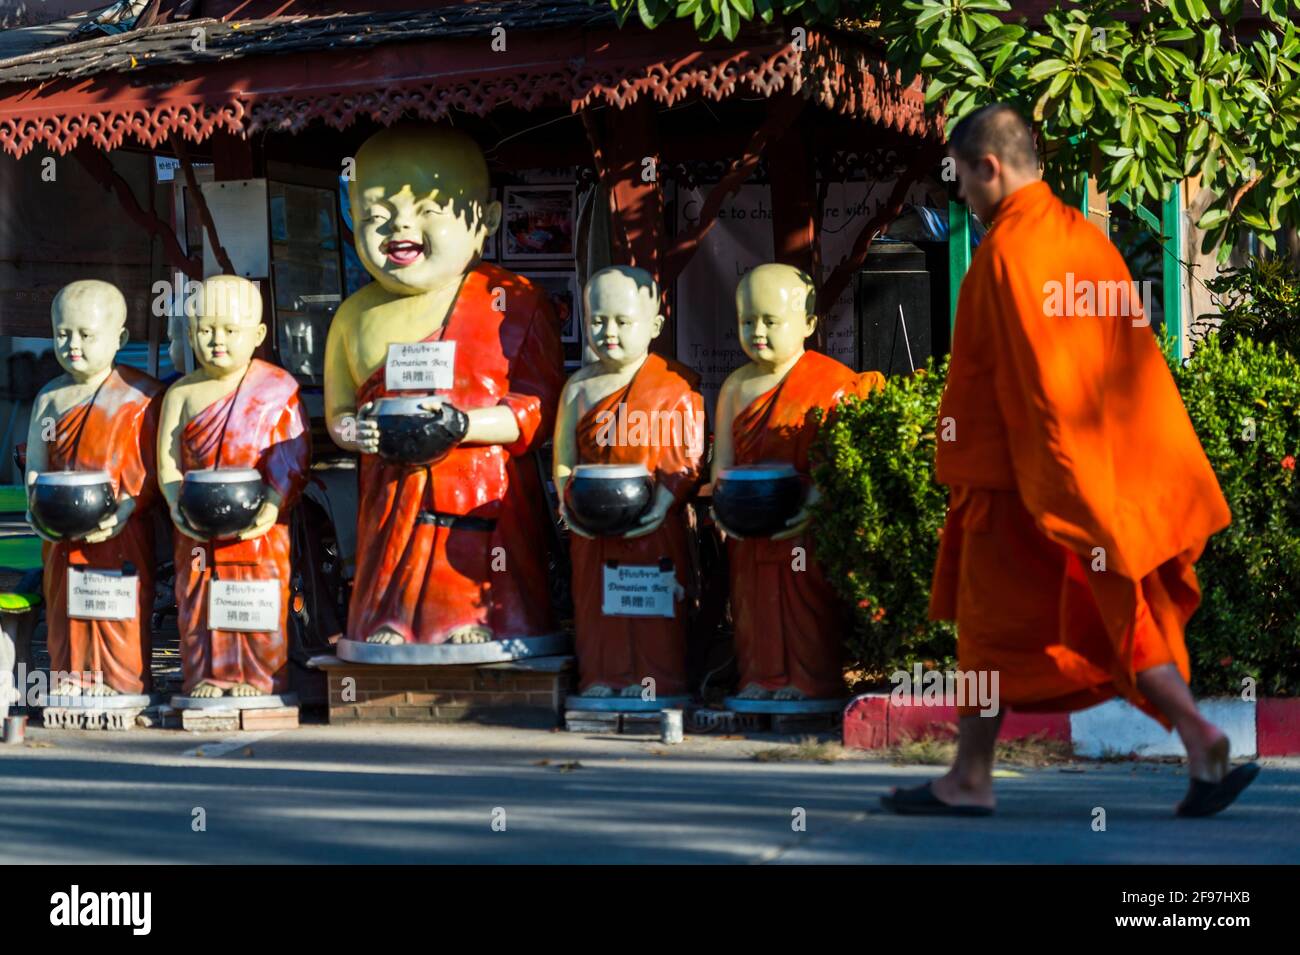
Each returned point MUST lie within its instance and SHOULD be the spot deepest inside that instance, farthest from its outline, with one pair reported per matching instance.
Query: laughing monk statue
(105, 418)
(789, 623)
(452, 552)
(233, 411)
(1080, 495)
(630, 407)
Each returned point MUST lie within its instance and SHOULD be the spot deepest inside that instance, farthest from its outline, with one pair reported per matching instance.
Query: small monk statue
(98, 417)
(789, 623)
(454, 551)
(630, 407)
(232, 411)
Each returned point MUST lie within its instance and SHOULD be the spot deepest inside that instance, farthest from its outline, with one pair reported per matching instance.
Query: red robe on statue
(115, 431)
(789, 623)
(262, 425)
(463, 541)
(663, 397)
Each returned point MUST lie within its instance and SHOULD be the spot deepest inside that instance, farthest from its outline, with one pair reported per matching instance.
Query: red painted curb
(870, 722)
(1277, 726)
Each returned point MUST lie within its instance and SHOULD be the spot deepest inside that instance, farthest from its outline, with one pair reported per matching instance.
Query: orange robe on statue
(1080, 496)
(664, 398)
(464, 541)
(262, 425)
(115, 431)
(789, 623)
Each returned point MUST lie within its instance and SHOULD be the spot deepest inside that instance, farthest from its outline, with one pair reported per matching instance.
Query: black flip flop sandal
(921, 801)
(1205, 798)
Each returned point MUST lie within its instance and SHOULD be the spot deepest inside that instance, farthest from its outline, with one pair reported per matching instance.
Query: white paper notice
(422, 366)
(638, 591)
(102, 595)
(248, 605)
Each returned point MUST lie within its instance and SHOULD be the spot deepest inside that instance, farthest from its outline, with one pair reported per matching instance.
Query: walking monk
(104, 417)
(453, 552)
(631, 407)
(789, 623)
(233, 411)
(1080, 496)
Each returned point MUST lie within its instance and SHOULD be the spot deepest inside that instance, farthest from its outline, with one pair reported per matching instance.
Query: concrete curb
(1268, 727)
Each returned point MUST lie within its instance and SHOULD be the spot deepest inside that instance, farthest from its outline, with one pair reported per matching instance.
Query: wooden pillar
(794, 201)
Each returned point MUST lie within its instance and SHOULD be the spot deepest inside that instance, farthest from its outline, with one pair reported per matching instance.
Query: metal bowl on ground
(756, 500)
(410, 435)
(70, 503)
(221, 502)
(608, 499)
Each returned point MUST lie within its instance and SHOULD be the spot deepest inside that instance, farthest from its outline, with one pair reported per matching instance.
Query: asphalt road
(421, 794)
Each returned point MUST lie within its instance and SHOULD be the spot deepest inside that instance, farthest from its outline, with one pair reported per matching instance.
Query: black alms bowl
(756, 500)
(70, 503)
(608, 499)
(221, 502)
(410, 435)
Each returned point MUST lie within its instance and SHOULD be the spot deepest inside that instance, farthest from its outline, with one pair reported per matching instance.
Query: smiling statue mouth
(403, 253)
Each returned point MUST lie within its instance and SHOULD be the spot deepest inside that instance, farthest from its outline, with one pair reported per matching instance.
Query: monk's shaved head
(995, 130)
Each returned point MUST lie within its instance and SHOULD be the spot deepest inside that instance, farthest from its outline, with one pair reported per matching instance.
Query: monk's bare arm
(494, 425)
(350, 430)
(170, 427)
(724, 454)
(565, 449)
(37, 459)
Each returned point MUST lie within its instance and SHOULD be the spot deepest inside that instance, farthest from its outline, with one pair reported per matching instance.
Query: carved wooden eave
(285, 73)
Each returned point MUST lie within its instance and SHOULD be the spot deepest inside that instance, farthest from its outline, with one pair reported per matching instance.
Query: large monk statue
(233, 411)
(630, 407)
(453, 552)
(98, 417)
(1080, 495)
(789, 624)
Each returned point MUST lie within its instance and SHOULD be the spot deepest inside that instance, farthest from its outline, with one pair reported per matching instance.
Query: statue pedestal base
(224, 714)
(268, 701)
(619, 714)
(454, 654)
(116, 712)
(527, 692)
(784, 707)
(624, 704)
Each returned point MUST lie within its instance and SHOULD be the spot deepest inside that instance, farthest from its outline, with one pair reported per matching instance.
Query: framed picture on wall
(537, 223)
(562, 287)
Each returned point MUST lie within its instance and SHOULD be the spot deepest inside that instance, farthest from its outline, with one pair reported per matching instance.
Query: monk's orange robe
(664, 400)
(789, 623)
(1080, 495)
(463, 541)
(113, 431)
(261, 424)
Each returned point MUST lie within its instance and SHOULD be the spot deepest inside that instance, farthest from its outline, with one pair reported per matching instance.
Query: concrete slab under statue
(624, 704)
(267, 701)
(502, 650)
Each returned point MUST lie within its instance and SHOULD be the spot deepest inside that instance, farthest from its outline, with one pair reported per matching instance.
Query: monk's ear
(658, 326)
(492, 217)
(122, 337)
(812, 326)
(261, 333)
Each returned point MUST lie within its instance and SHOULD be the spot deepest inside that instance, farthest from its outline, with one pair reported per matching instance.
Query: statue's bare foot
(386, 636)
(99, 689)
(471, 634)
(789, 693)
(632, 690)
(754, 692)
(245, 689)
(206, 691)
(67, 688)
(597, 690)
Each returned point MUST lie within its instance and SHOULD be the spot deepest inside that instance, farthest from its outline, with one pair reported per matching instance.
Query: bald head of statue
(993, 151)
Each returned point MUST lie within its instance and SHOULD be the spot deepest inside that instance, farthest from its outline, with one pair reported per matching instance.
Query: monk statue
(232, 411)
(789, 624)
(98, 417)
(630, 407)
(451, 552)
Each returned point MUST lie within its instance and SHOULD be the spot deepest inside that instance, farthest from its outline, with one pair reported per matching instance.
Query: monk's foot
(471, 634)
(206, 691)
(754, 692)
(386, 636)
(245, 689)
(789, 693)
(68, 688)
(632, 690)
(958, 791)
(99, 689)
(598, 690)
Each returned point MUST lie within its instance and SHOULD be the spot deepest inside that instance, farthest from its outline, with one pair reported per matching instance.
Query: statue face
(772, 307)
(88, 327)
(420, 208)
(622, 318)
(227, 326)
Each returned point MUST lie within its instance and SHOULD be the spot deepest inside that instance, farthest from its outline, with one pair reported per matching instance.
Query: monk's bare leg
(245, 689)
(206, 691)
(1206, 744)
(598, 690)
(473, 633)
(970, 781)
(754, 692)
(386, 636)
